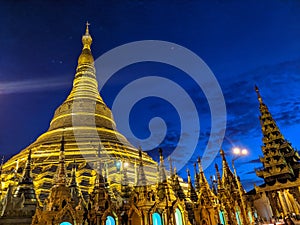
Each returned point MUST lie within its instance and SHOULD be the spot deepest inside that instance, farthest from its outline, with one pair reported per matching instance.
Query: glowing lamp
(236, 151)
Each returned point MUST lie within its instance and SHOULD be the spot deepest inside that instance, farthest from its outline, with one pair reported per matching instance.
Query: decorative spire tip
(160, 152)
(199, 160)
(222, 153)
(29, 155)
(216, 167)
(188, 172)
(258, 94)
(87, 28)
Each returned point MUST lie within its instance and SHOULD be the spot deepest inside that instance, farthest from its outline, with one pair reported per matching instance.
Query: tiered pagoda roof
(280, 160)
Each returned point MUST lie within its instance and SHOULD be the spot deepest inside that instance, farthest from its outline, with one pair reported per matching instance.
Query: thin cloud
(32, 85)
(249, 183)
(254, 161)
(242, 103)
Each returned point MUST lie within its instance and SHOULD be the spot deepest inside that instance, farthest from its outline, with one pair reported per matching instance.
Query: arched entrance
(238, 217)
(156, 219)
(65, 223)
(178, 217)
(222, 217)
(110, 221)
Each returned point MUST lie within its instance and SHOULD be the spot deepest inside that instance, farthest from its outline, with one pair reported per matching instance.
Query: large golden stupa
(88, 127)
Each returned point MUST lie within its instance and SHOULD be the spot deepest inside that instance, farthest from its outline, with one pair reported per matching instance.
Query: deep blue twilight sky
(243, 42)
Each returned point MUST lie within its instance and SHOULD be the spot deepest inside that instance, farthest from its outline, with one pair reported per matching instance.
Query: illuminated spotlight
(126, 164)
(236, 151)
(244, 151)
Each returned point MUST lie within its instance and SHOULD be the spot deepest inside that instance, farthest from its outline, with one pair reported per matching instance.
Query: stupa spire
(85, 85)
(141, 184)
(191, 194)
(225, 168)
(25, 186)
(162, 172)
(228, 178)
(100, 180)
(76, 194)
(141, 177)
(206, 195)
(197, 185)
(202, 179)
(171, 167)
(177, 187)
(27, 171)
(61, 178)
(162, 189)
(73, 182)
(218, 176)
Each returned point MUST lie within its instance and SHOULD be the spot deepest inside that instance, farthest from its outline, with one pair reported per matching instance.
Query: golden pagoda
(83, 171)
(86, 124)
(279, 195)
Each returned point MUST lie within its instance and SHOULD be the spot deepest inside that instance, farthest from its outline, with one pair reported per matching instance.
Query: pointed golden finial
(161, 157)
(60, 172)
(141, 177)
(258, 94)
(224, 161)
(191, 191)
(87, 39)
(140, 154)
(162, 173)
(189, 175)
(73, 182)
(195, 169)
(27, 171)
(199, 165)
(171, 166)
(87, 28)
(216, 167)
(218, 175)
(222, 153)
(197, 187)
